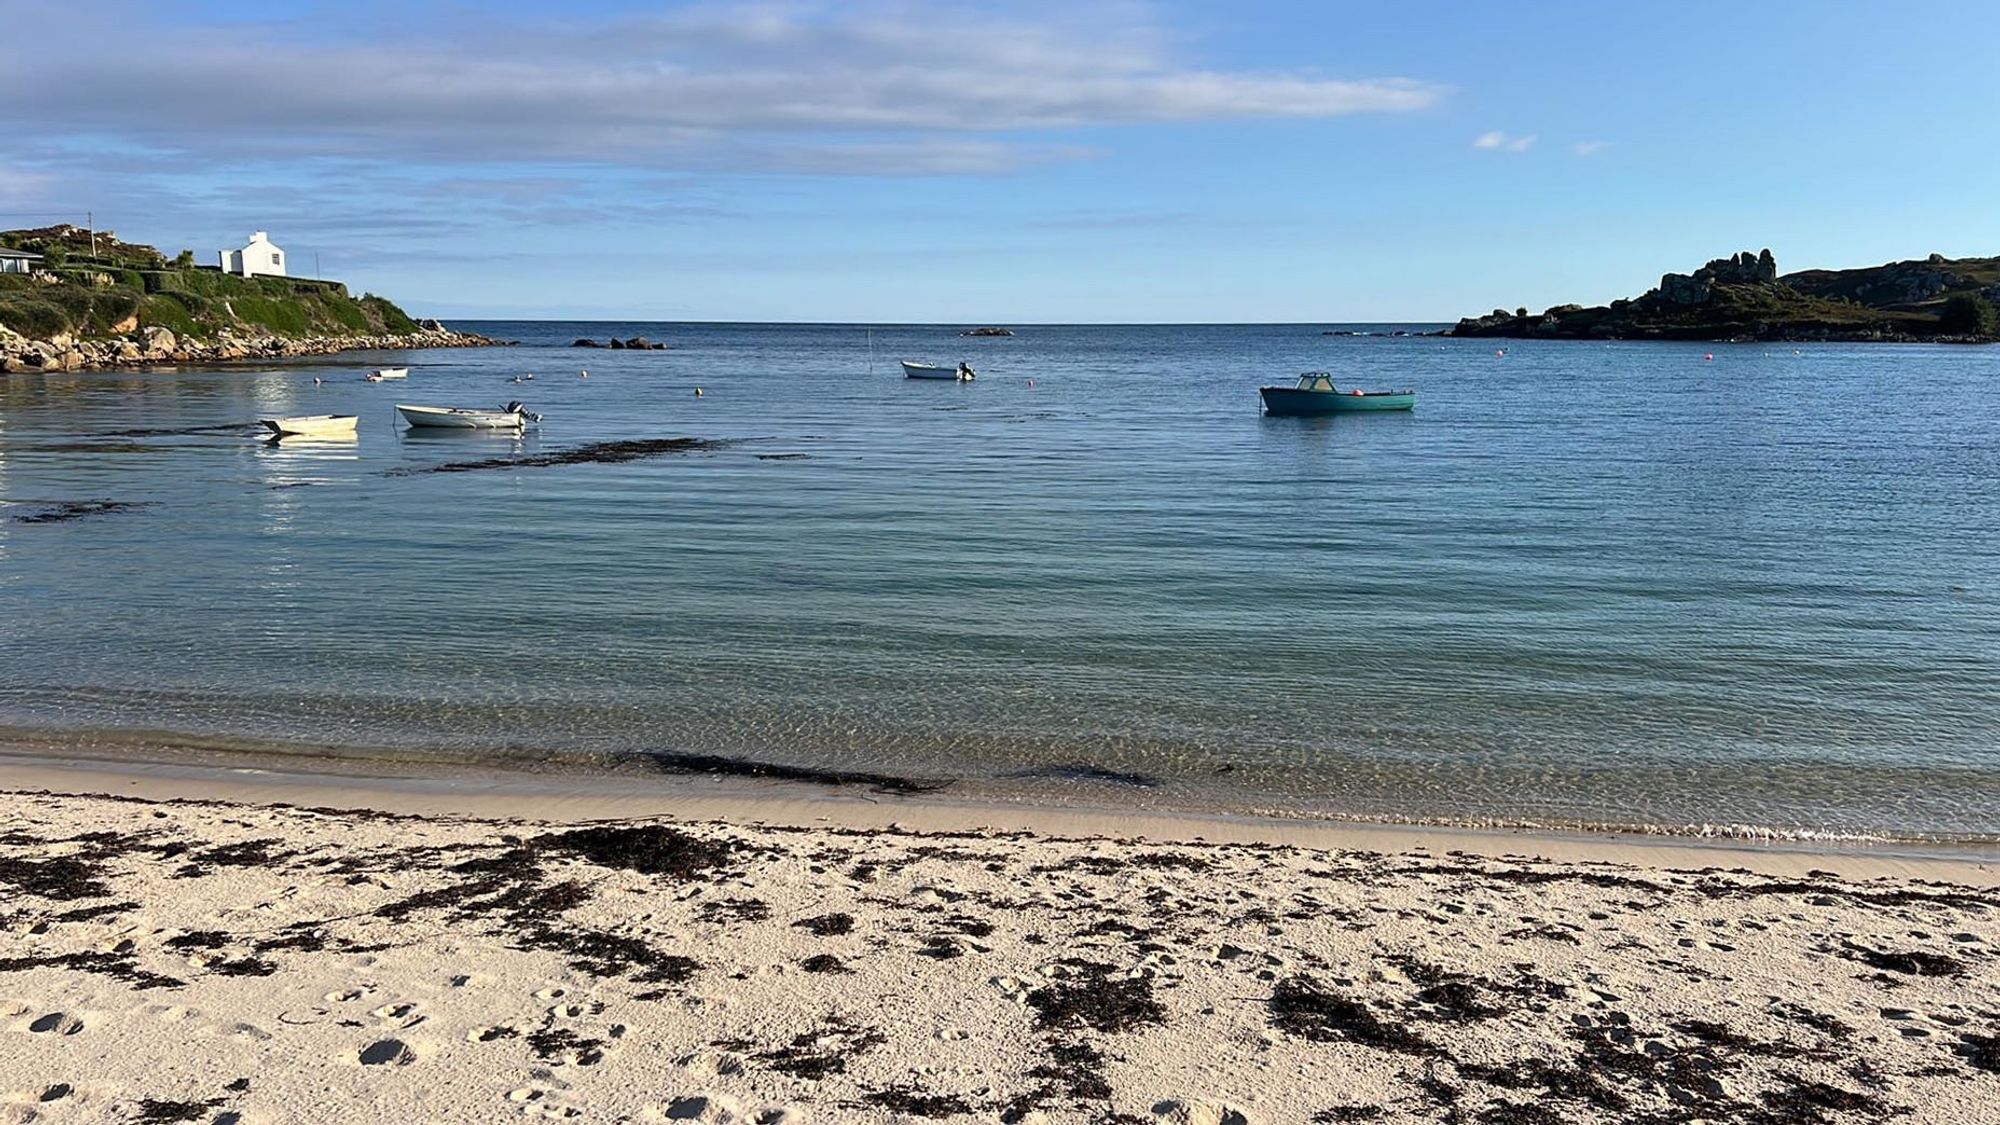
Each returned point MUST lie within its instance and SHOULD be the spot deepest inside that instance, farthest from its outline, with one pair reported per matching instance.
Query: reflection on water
(1697, 592)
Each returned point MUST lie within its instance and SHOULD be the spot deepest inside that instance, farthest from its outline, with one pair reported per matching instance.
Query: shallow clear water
(1582, 582)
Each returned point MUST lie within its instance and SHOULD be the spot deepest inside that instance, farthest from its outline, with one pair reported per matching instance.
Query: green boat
(1315, 394)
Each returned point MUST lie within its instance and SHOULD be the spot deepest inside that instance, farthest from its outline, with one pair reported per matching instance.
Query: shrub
(1969, 314)
(32, 317)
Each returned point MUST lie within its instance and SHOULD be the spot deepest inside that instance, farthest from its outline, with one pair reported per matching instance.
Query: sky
(1006, 163)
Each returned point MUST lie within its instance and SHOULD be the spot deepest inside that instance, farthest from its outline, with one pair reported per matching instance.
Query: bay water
(1676, 587)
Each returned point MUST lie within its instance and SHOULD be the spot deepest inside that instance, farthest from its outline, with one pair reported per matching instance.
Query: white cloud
(1498, 141)
(894, 88)
(1589, 148)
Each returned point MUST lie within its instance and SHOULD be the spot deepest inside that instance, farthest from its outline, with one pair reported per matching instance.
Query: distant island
(987, 332)
(72, 299)
(1743, 298)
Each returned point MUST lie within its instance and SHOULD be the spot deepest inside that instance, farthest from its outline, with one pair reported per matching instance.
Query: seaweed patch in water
(1084, 771)
(669, 762)
(592, 453)
(66, 510)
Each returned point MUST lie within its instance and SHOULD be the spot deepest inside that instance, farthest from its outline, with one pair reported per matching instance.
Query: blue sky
(1007, 162)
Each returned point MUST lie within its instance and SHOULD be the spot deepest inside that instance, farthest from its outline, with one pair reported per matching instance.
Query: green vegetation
(122, 287)
(1743, 298)
(1969, 314)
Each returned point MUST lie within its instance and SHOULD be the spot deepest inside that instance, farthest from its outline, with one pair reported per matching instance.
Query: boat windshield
(1315, 381)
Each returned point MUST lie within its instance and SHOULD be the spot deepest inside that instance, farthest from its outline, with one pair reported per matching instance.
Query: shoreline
(173, 958)
(432, 789)
(21, 355)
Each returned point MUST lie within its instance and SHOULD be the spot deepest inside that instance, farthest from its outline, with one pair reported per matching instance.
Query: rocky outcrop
(1698, 287)
(1742, 297)
(636, 343)
(987, 332)
(158, 345)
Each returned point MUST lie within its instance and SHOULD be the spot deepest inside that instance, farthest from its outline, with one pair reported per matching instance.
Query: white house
(261, 256)
(19, 261)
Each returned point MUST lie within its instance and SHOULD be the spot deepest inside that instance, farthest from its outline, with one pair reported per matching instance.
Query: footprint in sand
(538, 1101)
(1199, 1112)
(553, 992)
(698, 1107)
(711, 1064)
(492, 1034)
(387, 1052)
(55, 1023)
(398, 1013)
(345, 995)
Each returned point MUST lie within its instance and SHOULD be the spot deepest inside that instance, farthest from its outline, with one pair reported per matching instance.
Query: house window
(276, 260)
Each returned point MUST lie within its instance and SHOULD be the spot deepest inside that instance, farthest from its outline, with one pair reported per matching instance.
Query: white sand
(154, 956)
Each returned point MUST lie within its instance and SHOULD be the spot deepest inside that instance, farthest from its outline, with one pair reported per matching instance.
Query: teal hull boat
(1315, 394)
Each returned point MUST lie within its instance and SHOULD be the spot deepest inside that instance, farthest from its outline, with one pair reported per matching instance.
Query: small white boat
(312, 424)
(513, 416)
(961, 373)
(387, 373)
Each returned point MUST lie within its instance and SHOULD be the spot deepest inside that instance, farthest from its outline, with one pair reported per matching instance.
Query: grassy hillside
(125, 286)
(1732, 299)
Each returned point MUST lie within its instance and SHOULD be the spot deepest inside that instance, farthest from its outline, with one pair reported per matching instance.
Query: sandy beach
(190, 949)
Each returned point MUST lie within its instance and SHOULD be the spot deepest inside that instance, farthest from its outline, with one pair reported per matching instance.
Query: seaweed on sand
(827, 925)
(1093, 998)
(1914, 963)
(1980, 1051)
(823, 1050)
(62, 878)
(649, 849)
(667, 761)
(591, 453)
(117, 966)
(159, 1109)
(1300, 1006)
(918, 1103)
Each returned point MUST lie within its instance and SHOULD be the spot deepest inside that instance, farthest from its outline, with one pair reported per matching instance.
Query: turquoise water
(1582, 583)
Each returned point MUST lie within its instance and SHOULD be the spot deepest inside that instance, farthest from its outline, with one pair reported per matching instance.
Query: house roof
(6, 253)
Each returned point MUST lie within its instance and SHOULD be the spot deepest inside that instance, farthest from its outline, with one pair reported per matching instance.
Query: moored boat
(312, 424)
(1316, 394)
(513, 416)
(380, 374)
(914, 370)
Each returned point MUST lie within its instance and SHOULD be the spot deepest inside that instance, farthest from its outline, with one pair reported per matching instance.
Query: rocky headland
(1743, 297)
(66, 352)
(94, 301)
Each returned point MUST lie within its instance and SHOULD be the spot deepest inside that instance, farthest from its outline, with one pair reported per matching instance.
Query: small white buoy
(698, 392)
(583, 374)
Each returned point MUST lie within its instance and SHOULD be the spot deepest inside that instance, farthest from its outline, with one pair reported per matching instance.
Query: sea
(1748, 589)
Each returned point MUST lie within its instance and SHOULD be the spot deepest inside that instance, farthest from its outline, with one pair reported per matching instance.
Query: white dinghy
(387, 373)
(312, 424)
(513, 416)
(914, 370)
